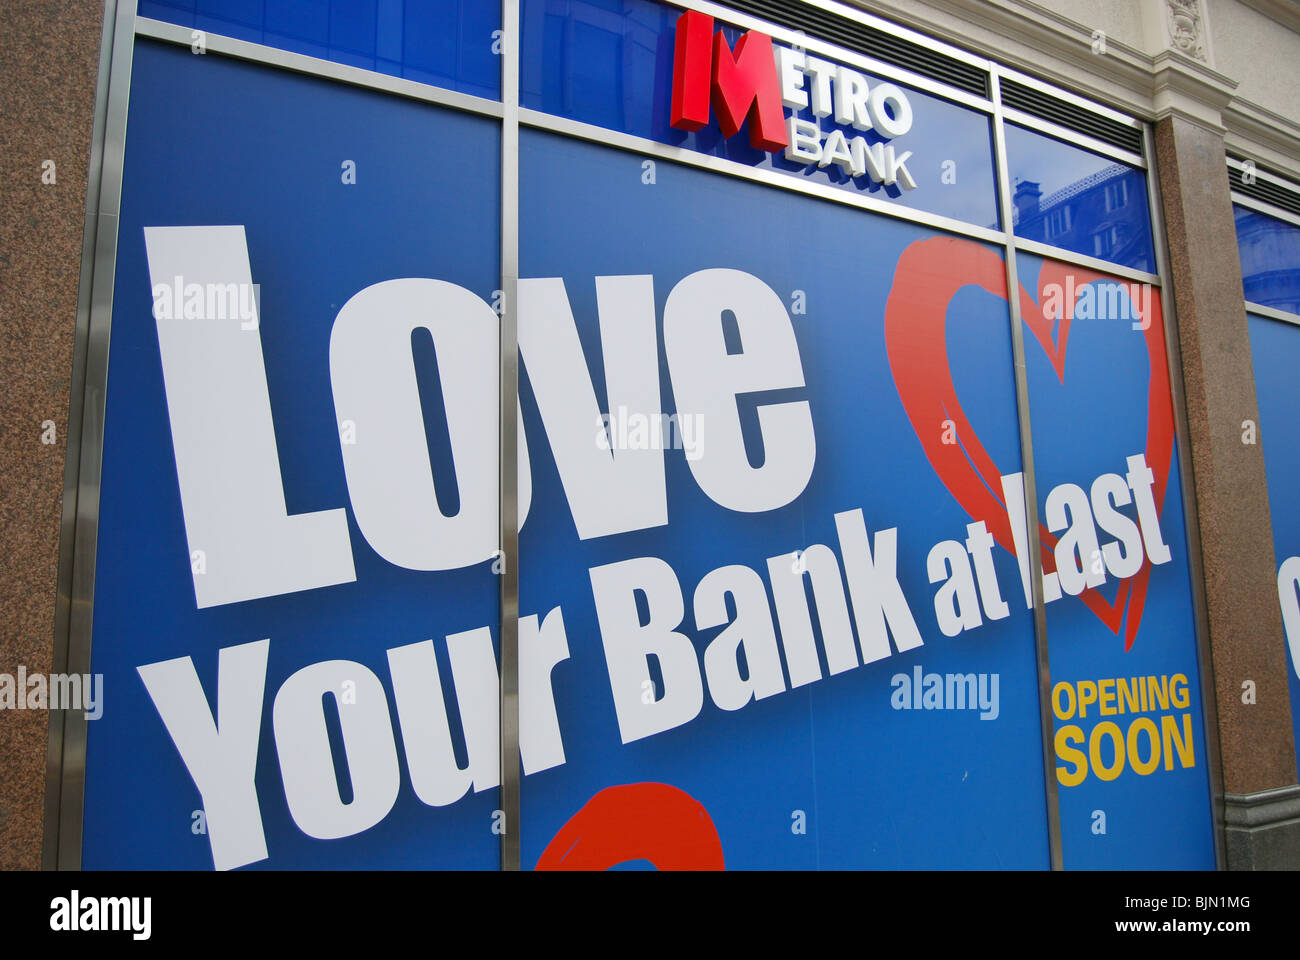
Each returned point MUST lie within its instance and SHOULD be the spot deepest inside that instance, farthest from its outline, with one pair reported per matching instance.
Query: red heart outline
(929, 274)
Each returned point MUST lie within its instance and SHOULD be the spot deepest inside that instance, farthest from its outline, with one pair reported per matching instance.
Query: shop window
(1270, 259)
(439, 42)
(1078, 200)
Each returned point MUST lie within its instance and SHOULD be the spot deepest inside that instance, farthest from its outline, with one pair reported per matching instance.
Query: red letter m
(741, 85)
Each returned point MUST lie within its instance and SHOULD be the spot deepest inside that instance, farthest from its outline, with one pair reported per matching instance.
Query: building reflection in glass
(1099, 215)
(1270, 259)
(1078, 200)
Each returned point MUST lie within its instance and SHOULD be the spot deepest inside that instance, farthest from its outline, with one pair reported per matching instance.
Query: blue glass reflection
(446, 43)
(1270, 259)
(610, 63)
(1078, 200)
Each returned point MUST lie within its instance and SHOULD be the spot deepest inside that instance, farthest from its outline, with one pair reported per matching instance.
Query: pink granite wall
(49, 56)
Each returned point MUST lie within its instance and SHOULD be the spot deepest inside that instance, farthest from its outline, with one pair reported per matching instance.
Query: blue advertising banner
(746, 350)
(1275, 352)
(1129, 733)
(245, 551)
(774, 597)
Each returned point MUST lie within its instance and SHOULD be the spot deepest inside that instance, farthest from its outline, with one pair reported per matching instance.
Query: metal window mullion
(74, 604)
(264, 55)
(1085, 261)
(1033, 540)
(616, 140)
(508, 407)
(72, 455)
(1272, 313)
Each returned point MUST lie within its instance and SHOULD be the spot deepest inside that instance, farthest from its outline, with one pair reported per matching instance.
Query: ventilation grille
(1069, 115)
(867, 40)
(1266, 191)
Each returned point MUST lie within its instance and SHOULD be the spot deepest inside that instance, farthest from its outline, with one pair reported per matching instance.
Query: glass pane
(1270, 259)
(611, 64)
(811, 397)
(447, 43)
(1275, 349)
(1129, 740)
(317, 592)
(1078, 200)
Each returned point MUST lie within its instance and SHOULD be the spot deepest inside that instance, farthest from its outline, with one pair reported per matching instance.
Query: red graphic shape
(692, 71)
(929, 274)
(746, 85)
(636, 821)
(741, 85)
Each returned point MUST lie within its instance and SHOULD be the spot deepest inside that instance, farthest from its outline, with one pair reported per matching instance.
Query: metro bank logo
(760, 80)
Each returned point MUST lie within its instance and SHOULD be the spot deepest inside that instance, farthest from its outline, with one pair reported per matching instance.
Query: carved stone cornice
(1186, 87)
(1262, 135)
